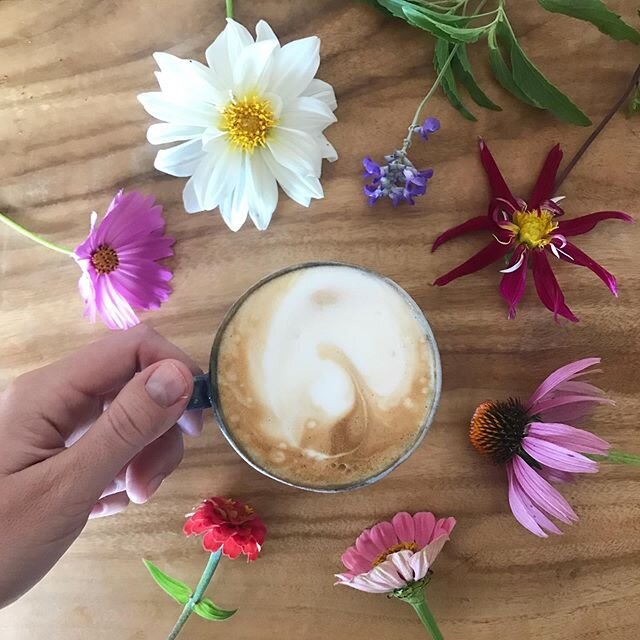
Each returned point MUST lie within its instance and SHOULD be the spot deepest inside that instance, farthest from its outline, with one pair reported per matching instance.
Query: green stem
(426, 617)
(32, 236)
(201, 587)
(617, 457)
(229, 9)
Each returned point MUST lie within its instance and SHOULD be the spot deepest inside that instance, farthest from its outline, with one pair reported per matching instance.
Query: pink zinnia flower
(537, 446)
(119, 265)
(526, 233)
(393, 555)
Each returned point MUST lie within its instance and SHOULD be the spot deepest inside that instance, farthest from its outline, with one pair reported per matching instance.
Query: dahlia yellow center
(534, 228)
(247, 122)
(401, 546)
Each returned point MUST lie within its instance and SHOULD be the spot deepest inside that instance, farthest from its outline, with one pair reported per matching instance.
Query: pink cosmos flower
(119, 265)
(527, 233)
(538, 447)
(393, 555)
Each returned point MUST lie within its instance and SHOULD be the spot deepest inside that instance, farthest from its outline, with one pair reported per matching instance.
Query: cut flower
(252, 118)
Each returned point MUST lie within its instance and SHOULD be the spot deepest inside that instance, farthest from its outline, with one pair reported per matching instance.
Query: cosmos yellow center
(105, 259)
(401, 546)
(533, 228)
(248, 122)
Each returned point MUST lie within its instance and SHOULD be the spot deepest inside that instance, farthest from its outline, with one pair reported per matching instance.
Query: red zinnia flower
(229, 524)
(526, 232)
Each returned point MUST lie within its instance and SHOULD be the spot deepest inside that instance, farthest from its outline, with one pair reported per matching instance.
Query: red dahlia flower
(526, 233)
(227, 524)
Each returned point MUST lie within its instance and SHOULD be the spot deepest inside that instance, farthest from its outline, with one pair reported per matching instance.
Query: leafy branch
(453, 28)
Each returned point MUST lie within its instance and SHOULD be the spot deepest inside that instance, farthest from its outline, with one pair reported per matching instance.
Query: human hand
(82, 437)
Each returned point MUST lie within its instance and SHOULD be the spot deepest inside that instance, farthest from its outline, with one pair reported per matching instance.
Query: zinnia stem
(596, 132)
(201, 587)
(618, 457)
(32, 236)
(426, 617)
(229, 9)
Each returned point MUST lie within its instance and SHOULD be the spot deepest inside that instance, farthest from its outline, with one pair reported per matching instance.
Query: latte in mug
(327, 376)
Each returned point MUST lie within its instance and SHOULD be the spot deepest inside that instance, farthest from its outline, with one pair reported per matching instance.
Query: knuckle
(127, 426)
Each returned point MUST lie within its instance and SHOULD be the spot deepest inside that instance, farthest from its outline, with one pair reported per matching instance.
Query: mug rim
(425, 426)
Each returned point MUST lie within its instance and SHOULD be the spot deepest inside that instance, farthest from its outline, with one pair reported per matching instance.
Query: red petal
(231, 549)
(492, 252)
(251, 550)
(480, 223)
(547, 179)
(582, 259)
(548, 288)
(513, 284)
(499, 188)
(210, 542)
(584, 224)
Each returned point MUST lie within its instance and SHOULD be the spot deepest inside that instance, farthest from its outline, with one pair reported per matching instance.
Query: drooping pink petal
(577, 256)
(555, 400)
(422, 560)
(499, 188)
(513, 284)
(567, 436)
(545, 184)
(113, 308)
(353, 561)
(383, 536)
(404, 528)
(557, 377)
(364, 582)
(492, 252)
(444, 526)
(569, 412)
(548, 288)
(557, 457)
(559, 477)
(584, 224)
(402, 564)
(582, 388)
(541, 493)
(368, 549)
(480, 223)
(424, 523)
(522, 508)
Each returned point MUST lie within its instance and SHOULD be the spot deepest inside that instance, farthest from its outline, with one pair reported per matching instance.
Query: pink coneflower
(537, 447)
(396, 558)
(526, 234)
(119, 265)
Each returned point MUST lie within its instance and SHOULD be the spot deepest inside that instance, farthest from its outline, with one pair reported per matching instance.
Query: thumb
(148, 406)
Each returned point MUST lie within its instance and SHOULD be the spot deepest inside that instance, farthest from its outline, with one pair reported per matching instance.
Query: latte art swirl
(325, 375)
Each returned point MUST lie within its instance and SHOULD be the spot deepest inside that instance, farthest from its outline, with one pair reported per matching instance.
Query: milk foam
(325, 373)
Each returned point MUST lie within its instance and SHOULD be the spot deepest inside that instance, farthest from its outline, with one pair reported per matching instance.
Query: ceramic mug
(205, 389)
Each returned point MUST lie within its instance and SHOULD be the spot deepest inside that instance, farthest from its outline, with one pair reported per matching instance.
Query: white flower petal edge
(249, 120)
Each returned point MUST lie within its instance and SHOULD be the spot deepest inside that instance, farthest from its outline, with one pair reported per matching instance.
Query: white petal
(265, 32)
(295, 64)
(402, 564)
(219, 177)
(322, 91)
(419, 564)
(262, 191)
(306, 114)
(295, 150)
(225, 51)
(188, 77)
(298, 187)
(163, 132)
(171, 110)
(180, 160)
(328, 150)
(190, 197)
(235, 207)
(251, 71)
(211, 134)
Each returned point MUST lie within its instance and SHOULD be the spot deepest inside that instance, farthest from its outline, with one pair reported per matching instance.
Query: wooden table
(72, 133)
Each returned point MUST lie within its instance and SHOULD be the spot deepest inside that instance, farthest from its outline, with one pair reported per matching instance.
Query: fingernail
(166, 385)
(154, 484)
(191, 422)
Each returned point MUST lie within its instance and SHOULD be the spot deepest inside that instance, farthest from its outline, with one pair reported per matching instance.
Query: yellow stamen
(248, 122)
(533, 228)
(401, 546)
(105, 259)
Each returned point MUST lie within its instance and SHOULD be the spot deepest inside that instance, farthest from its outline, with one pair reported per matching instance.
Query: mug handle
(201, 396)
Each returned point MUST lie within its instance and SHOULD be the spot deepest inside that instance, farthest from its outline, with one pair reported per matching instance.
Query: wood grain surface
(72, 133)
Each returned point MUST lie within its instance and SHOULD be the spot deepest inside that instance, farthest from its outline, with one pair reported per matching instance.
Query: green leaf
(462, 69)
(179, 591)
(536, 87)
(598, 14)
(206, 609)
(441, 30)
(502, 72)
(448, 82)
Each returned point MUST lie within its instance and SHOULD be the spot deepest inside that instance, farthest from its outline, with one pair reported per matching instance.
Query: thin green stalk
(617, 457)
(33, 236)
(426, 617)
(229, 4)
(209, 570)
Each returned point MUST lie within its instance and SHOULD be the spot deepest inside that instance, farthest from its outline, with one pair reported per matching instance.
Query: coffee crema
(325, 376)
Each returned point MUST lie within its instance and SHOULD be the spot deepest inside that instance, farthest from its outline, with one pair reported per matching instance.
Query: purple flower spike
(430, 125)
